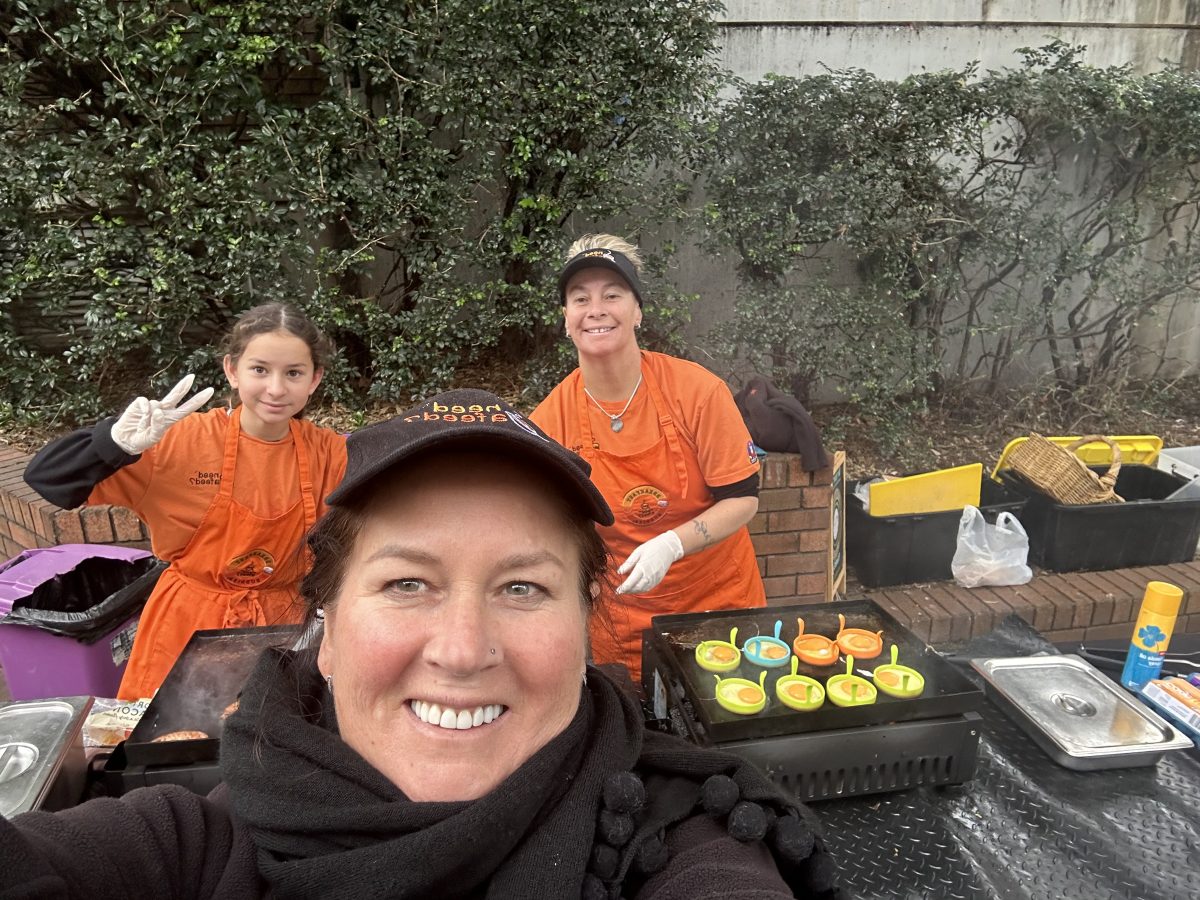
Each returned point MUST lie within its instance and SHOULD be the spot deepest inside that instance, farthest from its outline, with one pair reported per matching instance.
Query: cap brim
(573, 479)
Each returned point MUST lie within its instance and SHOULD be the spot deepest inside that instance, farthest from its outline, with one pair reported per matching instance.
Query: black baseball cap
(465, 417)
(600, 258)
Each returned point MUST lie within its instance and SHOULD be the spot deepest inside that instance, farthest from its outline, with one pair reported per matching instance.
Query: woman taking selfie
(227, 495)
(668, 450)
(447, 737)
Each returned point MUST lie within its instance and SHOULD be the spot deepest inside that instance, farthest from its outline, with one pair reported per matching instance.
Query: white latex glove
(649, 563)
(144, 422)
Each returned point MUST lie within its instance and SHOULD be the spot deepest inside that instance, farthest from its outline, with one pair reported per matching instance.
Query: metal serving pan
(41, 754)
(1081, 718)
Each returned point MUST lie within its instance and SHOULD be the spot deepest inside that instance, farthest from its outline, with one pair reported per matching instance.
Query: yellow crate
(1138, 449)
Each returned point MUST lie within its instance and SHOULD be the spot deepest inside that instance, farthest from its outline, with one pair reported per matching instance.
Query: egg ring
(740, 695)
(719, 656)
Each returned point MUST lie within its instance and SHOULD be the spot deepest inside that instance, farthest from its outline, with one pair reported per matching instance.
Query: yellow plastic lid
(1162, 598)
(926, 492)
(1139, 449)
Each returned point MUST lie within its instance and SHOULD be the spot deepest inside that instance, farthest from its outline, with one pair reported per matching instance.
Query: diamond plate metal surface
(1026, 827)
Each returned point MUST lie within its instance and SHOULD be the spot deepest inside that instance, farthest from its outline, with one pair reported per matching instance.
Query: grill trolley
(834, 751)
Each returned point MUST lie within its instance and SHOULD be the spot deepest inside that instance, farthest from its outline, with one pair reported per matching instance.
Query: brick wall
(790, 532)
(26, 520)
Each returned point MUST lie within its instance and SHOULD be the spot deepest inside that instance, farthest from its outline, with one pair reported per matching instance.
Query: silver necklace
(617, 424)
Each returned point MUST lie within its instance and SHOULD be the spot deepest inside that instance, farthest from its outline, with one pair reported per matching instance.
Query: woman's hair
(606, 242)
(270, 318)
(331, 544)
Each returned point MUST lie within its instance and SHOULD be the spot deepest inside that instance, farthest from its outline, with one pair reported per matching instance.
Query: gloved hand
(144, 422)
(649, 563)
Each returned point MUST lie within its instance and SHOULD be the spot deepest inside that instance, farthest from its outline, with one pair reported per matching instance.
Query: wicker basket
(1057, 471)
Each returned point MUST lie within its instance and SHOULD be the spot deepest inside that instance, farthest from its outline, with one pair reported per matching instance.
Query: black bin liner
(90, 600)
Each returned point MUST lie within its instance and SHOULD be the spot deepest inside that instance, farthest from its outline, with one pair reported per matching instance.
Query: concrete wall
(893, 40)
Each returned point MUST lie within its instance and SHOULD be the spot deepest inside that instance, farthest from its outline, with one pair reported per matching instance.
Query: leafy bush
(955, 226)
(404, 171)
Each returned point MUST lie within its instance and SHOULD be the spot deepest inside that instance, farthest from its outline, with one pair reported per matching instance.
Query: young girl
(227, 494)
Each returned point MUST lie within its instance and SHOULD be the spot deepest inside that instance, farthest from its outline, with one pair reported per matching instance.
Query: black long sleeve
(65, 471)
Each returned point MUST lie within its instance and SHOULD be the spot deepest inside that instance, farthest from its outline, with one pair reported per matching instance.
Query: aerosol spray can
(1151, 634)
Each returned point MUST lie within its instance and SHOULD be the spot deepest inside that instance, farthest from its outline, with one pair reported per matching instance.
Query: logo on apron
(644, 505)
(249, 570)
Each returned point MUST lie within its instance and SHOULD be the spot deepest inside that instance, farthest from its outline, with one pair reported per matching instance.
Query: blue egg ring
(753, 647)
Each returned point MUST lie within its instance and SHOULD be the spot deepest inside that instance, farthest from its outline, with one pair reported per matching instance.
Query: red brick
(779, 498)
(26, 538)
(772, 543)
(28, 518)
(888, 605)
(797, 477)
(9, 548)
(1189, 625)
(126, 525)
(818, 497)
(45, 521)
(959, 617)
(815, 539)
(1062, 637)
(798, 520)
(1184, 575)
(1128, 596)
(783, 586)
(762, 565)
(758, 524)
(1107, 632)
(774, 473)
(796, 563)
(919, 621)
(981, 618)
(822, 476)
(1071, 592)
(1064, 609)
(1102, 597)
(812, 585)
(97, 526)
(68, 529)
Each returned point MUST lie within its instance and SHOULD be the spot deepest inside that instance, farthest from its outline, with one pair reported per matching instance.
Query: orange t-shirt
(172, 484)
(701, 404)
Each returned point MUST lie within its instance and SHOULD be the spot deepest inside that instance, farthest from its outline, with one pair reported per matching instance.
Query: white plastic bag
(990, 554)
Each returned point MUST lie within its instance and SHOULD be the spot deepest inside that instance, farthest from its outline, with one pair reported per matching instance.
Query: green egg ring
(789, 701)
(711, 665)
(897, 692)
(734, 706)
(871, 692)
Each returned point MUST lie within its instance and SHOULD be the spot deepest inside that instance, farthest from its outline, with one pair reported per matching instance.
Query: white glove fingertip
(196, 402)
(180, 390)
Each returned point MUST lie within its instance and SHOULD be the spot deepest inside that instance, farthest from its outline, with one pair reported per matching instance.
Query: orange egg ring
(858, 642)
(815, 649)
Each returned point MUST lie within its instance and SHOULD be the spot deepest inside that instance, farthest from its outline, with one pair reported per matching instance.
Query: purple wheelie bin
(69, 616)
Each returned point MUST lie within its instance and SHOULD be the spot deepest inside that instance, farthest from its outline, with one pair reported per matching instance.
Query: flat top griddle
(947, 691)
(205, 679)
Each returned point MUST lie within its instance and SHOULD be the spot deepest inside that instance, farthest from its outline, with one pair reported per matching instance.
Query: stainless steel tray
(1076, 714)
(41, 754)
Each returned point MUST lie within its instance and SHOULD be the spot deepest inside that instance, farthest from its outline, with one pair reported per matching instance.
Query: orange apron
(239, 569)
(652, 491)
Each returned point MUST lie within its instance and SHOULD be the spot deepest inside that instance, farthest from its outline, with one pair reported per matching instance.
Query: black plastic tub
(886, 550)
(1145, 530)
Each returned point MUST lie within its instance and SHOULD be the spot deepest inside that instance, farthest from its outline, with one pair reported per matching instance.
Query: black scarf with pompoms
(573, 821)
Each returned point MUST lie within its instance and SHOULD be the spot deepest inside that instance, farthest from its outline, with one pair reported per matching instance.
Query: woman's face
(274, 378)
(457, 642)
(601, 312)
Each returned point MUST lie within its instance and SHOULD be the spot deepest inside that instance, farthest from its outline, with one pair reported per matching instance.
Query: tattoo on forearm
(702, 529)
